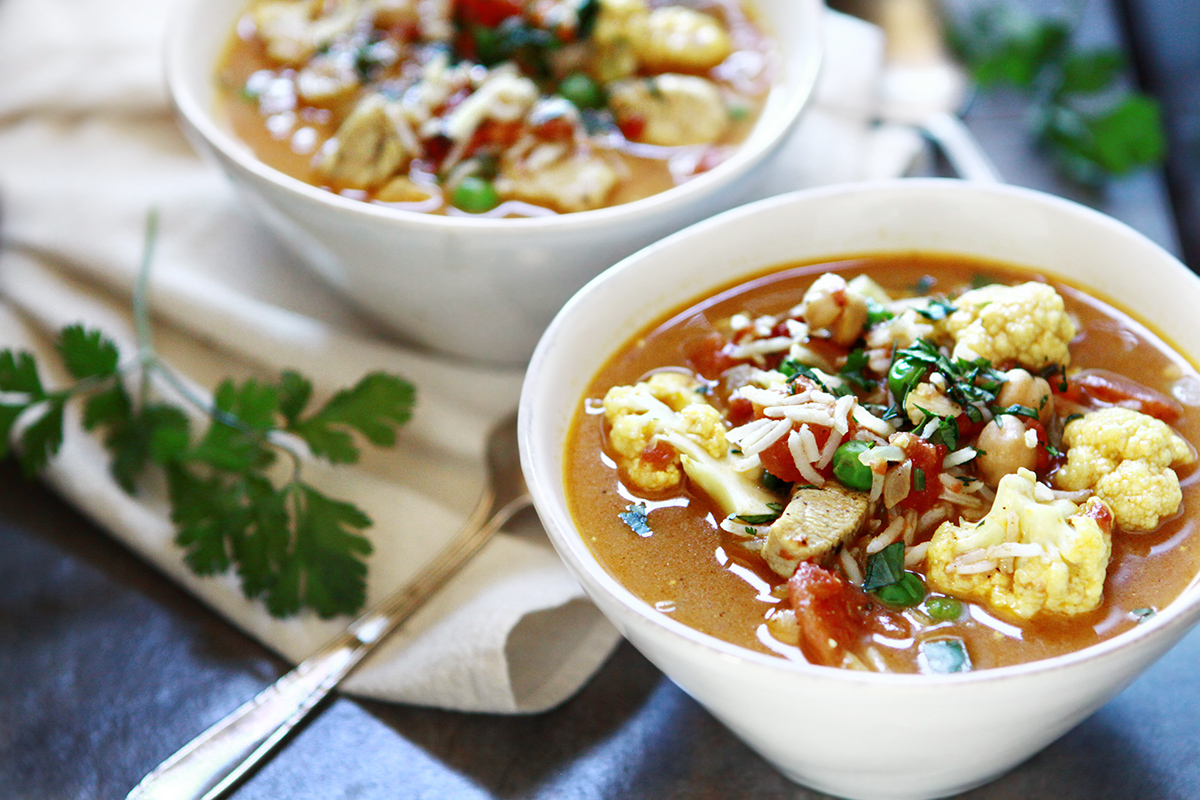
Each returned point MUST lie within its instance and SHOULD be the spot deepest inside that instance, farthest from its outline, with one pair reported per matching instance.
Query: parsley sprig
(1091, 125)
(290, 544)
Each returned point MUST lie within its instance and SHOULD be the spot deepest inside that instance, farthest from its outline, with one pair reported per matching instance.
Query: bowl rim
(1183, 612)
(181, 86)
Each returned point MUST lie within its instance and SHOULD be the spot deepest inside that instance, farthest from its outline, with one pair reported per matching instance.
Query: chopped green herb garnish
(853, 370)
(876, 313)
(943, 656)
(1017, 410)
(290, 545)
(937, 309)
(1143, 614)
(761, 519)
(773, 482)
(635, 517)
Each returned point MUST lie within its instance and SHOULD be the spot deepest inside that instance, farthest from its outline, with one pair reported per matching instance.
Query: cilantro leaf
(236, 439)
(885, 567)
(374, 407)
(1092, 127)
(328, 555)
(87, 353)
(18, 373)
(207, 516)
(289, 544)
(42, 438)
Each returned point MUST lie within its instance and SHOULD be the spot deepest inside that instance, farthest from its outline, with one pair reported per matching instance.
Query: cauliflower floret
(675, 109)
(1026, 323)
(667, 409)
(1125, 457)
(639, 414)
(619, 30)
(1030, 555)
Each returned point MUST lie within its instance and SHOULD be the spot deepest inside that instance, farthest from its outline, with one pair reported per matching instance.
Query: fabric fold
(88, 149)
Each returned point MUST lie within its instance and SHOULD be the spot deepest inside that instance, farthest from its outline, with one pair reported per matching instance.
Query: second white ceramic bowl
(854, 734)
(484, 289)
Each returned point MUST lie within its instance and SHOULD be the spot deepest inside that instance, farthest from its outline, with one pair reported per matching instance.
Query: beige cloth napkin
(88, 147)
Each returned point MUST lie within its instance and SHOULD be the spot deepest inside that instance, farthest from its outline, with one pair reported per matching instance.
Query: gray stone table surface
(106, 667)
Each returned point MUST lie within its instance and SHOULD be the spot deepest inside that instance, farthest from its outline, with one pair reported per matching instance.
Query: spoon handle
(960, 148)
(213, 762)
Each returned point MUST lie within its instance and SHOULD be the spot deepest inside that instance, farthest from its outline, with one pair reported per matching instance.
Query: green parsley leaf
(1090, 125)
(876, 312)
(42, 438)
(374, 407)
(761, 519)
(290, 544)
(1017, 410)
(885, 567)
(938, 309)
(87, 354)
(887, 579)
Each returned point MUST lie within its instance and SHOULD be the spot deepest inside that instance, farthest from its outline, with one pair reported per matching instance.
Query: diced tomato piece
(1044, 459)
(556, 129)
(740, 411)
(659, 454)
(967, 428)
(777, 460)
(488, 13)
(832, 613)
(926, 457)
(709, 355)
(436, 149)
(632, 126)
(492, 133)
(1112, 389)
(1101, 513)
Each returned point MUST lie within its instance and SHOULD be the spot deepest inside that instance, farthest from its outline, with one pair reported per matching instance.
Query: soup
(498, 107)
(913, 463)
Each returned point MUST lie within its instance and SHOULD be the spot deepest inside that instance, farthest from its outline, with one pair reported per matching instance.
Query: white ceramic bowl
(480, 288)
(853, 734)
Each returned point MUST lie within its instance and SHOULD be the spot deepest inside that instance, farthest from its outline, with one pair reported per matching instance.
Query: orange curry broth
(699, 575)
(289, 140)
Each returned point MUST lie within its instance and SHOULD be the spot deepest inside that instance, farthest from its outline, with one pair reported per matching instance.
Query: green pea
(582, 90)
(903, 376)
(475, 194)
(848, 469)
(943, 608)
(908, 591)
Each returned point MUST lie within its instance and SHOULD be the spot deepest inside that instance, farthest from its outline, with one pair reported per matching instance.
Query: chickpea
(680, 39)
(1022, 388)
(829, 304)
(1005, 449)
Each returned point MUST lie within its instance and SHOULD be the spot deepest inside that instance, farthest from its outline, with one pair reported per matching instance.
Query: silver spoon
(213, 762)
